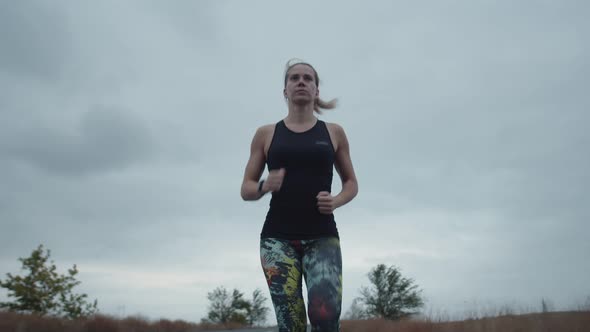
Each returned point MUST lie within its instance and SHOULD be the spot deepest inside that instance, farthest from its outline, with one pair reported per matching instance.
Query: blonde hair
(318, 104)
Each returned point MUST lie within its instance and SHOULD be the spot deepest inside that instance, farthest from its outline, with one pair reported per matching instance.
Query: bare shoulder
(335, 129)
(265, 129)
(263, 136)
(337, 135)
(265, 132)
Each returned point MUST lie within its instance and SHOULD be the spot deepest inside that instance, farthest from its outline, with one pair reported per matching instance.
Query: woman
(299, 237)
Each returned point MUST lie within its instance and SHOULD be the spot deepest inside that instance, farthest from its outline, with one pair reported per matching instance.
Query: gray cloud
(196, 21)
(107, 139)
(35, 39)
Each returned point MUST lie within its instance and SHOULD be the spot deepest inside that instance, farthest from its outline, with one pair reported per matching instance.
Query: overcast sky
(125, 127)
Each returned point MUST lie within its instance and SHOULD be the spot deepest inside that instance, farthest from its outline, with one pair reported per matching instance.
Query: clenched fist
(274, 181)
(325, 202)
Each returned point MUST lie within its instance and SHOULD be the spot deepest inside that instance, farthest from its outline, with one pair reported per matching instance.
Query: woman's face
(301, 87)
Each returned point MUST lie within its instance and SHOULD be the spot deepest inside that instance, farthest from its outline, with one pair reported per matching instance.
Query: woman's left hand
(325, 202)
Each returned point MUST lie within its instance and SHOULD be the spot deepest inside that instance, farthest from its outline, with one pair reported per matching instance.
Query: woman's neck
(300, 114)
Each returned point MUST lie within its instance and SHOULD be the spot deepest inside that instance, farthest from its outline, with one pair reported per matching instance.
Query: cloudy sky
(125, 127)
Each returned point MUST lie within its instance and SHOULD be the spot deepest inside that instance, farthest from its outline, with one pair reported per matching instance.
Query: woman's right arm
(254, 167)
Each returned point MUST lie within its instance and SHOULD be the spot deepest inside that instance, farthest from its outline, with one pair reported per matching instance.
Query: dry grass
(573, 321)
(12, 322)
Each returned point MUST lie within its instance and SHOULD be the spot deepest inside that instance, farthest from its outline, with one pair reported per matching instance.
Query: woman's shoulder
(337, 134)
(334, 127)
(265, 132)
(266, 128)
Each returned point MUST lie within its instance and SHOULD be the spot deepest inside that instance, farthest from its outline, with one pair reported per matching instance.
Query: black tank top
(308, 159)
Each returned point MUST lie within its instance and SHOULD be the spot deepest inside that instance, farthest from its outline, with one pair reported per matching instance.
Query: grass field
(571, 321)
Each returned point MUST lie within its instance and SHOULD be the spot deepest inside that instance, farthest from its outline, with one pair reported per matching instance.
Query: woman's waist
(307, 200)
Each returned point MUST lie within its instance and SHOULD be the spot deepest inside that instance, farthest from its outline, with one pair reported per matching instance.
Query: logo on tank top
(322, 143)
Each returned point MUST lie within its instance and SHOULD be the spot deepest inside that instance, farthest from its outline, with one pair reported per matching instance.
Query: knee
(324, 315)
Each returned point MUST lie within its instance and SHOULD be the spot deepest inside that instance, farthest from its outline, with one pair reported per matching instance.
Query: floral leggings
(319, 261)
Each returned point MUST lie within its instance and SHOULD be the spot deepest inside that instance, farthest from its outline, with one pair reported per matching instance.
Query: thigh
(281, 263)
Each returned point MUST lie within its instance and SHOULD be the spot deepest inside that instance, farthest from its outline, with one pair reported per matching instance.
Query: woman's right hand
(274, 181)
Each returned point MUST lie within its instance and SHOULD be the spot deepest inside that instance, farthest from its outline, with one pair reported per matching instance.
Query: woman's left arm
(343, 165)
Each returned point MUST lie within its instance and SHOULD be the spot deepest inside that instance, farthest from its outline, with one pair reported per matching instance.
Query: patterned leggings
(319, 261)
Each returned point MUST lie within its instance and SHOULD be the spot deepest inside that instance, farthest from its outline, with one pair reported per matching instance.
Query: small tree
(257, 313)
(391, 295)
(45, 292)
(356, 311)
(546, 305)
(233, 308)
(220, 307)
